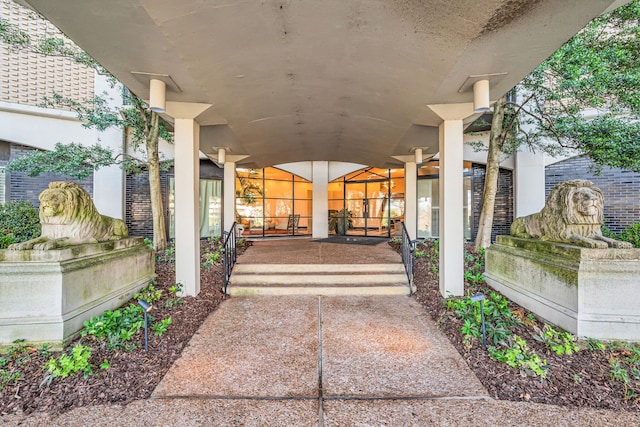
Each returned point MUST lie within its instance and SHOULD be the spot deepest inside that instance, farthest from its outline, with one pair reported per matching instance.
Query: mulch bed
(579, 380)
(582, 379)
(132, 374)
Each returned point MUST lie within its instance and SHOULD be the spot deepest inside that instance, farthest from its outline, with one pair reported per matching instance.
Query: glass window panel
(2, 185)
(303, 207)
(172, 210)
(467, 194)
(302, 190)
(210, 208)
(278, 189)
(428, 208)
(249, 173)
(336, 205)
(278, 208)
(275, 173)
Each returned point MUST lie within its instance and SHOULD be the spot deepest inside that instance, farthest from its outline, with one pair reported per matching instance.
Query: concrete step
(318, 279)
(318, 268)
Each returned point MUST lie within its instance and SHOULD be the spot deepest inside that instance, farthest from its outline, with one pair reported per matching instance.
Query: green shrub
(631, 234)
(19, 222)
(116, 327)
(66, 365)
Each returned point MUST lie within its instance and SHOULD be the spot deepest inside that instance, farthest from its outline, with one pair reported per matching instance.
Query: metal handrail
(407, 247)
(229, 255)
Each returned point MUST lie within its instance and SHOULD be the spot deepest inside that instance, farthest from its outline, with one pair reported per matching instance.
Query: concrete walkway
(323, 361)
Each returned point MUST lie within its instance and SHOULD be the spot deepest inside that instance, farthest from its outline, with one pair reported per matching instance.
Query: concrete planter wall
(45, 296)
(589, 292)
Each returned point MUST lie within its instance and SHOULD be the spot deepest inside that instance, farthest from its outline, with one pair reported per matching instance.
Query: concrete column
(411, 198)
(229, 194)
(451, 145)
(451, 208)
(187, 197)
(528, 182)
(320, 203)
(187, 193)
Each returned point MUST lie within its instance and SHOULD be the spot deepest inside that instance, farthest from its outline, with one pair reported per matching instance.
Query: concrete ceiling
(295, 80)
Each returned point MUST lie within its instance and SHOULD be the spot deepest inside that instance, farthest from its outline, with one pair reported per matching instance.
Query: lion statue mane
(572, 214)
(69, 217)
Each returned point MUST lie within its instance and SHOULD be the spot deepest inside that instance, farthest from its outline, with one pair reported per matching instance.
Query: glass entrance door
(368, 203)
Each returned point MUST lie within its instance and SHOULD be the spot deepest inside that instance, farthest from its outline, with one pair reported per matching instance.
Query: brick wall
(20, 186)
(621, 188)
(138, 201)
(503, 213)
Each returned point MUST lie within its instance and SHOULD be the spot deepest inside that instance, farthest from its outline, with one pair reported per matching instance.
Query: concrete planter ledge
(45, 296)
(589, 292)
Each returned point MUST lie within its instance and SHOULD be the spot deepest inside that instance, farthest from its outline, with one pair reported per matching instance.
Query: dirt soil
(582, 379)
(133, 374)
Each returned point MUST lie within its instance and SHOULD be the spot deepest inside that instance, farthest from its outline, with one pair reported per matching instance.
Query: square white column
(229, 195)
(187, 197)
(451, 208)
(320, 203)
(411, 199)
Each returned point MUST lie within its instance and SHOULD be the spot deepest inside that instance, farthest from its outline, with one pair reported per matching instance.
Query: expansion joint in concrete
(320, 390)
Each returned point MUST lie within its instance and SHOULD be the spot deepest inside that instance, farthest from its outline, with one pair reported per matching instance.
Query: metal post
(146, 331)
(480, 298)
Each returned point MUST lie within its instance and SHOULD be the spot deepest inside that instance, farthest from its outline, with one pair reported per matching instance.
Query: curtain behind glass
(210, 207)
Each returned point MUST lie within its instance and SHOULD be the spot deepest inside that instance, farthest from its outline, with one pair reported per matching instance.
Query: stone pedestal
(590, 292)
(45, 296)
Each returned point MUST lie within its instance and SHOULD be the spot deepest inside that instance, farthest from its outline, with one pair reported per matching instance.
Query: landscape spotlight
(147, 308)
(476, 298)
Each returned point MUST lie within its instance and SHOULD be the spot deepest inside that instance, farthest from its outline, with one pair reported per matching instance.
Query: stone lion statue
(69, 217)
(572, 214)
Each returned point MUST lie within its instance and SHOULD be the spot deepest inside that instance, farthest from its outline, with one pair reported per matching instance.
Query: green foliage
(516, 354)
(72, 160)
(105, 365)
(595, 344)
(115, 327)
(429, 249)
(174, 300)
(161, 327)
(70, 364)
(340, 221)
(7, 377)
(148, 243)
(498, 317)
(631, 234)
(149, 293)
(168, 255)
(606, 232)
(627, 372)
(211, 258)
(19, 221)
(558, 341)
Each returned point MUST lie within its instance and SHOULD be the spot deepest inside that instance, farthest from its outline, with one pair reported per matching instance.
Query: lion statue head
(69, 217)
(572, 214)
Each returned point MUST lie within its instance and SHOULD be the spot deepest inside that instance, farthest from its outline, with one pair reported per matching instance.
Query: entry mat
(354, 240)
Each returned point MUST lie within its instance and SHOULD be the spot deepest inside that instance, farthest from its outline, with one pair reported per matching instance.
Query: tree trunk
(157, 209)
(485, 225)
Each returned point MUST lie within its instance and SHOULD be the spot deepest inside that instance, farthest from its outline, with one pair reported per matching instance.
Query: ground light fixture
(147, 308)
(480, 298)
